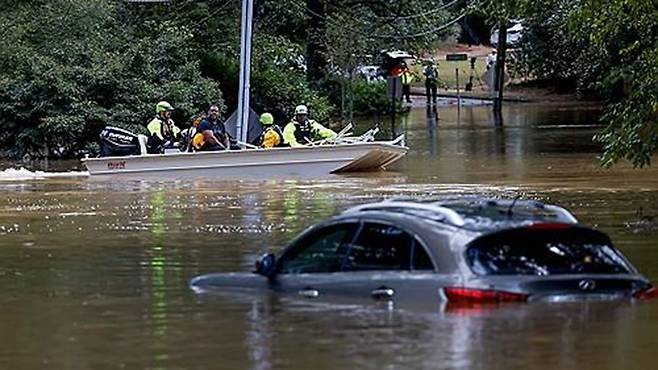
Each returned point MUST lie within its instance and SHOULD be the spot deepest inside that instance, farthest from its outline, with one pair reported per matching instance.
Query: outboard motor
(115, 141)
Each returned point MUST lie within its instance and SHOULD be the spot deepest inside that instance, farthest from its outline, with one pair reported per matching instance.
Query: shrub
(79, 66)
(370, 97)
(278, 82)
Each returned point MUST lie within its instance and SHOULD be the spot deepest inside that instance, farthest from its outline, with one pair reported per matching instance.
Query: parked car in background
(389, 60)
(457, 251)
(514, 34)
(370, 73)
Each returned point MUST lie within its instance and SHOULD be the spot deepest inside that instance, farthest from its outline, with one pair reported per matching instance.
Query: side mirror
(265, 265)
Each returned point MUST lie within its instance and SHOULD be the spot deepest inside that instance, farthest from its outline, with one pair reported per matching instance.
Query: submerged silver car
(464, 250)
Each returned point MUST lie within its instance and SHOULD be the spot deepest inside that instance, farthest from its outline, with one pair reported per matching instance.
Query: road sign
(456, 57)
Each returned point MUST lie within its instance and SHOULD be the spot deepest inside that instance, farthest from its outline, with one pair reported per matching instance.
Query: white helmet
(301, 109)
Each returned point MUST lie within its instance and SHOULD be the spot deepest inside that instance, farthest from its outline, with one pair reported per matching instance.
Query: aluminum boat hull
(262, 163)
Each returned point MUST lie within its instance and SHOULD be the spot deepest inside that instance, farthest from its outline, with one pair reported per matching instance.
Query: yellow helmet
(266, 119)
(162, 107)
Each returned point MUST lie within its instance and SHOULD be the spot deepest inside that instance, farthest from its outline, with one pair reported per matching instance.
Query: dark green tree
(605, 48)
(80, 65)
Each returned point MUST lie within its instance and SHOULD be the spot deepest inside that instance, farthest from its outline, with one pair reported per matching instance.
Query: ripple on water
(23, 174)
(102, 267)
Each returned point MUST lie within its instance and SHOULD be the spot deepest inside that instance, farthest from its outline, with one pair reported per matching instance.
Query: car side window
(421, 260)
(320, 251)
(379, 247)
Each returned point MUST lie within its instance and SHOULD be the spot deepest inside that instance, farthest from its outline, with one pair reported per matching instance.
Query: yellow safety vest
(407, 77)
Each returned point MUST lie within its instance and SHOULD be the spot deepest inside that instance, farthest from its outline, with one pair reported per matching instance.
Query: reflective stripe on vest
(303, 132)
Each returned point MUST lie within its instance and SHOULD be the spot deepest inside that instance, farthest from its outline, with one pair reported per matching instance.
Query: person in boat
(272, 136)
(188, 133)
(302, 130)
(211, 133)
(162, 130)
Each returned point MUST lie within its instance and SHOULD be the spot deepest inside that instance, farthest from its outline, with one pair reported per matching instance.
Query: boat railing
(344, 136)
(247, 145)
(399, 140)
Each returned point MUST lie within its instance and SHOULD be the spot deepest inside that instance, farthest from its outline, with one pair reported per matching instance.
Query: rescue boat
(343, 156)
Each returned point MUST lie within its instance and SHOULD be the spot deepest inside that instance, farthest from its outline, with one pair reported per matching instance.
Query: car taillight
(647, 293)
(482, 295)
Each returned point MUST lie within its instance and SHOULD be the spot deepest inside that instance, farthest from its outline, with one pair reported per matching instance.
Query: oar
(339, 135)
(344, 130)
(246, 145)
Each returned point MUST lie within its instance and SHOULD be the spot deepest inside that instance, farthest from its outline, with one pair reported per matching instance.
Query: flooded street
(94, 274)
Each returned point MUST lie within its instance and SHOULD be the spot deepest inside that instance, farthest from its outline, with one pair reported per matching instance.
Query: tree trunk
(351, 108)
(342, 98)
(316, 51)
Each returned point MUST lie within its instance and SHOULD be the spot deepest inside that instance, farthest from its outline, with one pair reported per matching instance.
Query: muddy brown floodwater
(94, 274)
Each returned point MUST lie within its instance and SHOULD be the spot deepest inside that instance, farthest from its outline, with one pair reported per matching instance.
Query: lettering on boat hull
(116, 165)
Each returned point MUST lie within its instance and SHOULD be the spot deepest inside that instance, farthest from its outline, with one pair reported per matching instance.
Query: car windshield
(545, 252)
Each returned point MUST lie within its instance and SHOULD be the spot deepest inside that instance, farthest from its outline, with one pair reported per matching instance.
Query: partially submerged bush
(370, 97)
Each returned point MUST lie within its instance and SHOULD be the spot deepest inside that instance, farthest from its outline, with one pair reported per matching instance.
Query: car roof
(476, 214)
(398, 54)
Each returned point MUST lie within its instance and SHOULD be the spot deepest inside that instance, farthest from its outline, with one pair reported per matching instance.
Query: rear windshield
(545, 252)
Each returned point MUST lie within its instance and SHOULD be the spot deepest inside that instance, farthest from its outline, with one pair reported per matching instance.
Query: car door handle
(382, 293)
(309, 293)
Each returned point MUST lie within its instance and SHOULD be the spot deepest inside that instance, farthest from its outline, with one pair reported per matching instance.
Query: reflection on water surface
(95, 274)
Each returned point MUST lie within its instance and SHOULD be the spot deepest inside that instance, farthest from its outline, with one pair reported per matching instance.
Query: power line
(438, 29)
(390, 36)
(180, 7)
(214, 12)
(424, 14)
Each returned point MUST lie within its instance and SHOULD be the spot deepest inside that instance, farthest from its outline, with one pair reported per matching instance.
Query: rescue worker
(272, 135)
(491, 58)
(431, 80)
(301, 129)
(162, 130)
(406, 77)
(211, 134)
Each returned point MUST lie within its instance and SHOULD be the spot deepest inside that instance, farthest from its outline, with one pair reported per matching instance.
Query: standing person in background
(431, 80)
(162, 130)
(406, 77)
(397, 70)
(491, 59)
(472, 75)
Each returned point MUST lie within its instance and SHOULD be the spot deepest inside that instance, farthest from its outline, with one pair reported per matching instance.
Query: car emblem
(587, 285)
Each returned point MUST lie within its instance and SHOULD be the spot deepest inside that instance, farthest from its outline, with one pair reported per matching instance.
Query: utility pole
(242, 122)
(394, 90)
(499, 71)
